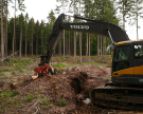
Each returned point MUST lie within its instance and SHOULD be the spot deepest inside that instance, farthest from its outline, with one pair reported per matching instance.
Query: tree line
(30, 36)
(23, 36)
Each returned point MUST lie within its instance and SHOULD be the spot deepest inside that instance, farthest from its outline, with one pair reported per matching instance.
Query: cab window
(121, 58)
(138, 51)
(121, 54)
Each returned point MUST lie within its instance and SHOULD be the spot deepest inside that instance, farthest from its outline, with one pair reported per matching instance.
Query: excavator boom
(114, 32)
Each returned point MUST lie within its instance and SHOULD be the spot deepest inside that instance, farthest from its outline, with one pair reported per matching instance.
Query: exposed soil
(57, 94)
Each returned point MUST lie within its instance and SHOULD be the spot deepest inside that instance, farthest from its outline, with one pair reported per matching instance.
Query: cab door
(121, 58)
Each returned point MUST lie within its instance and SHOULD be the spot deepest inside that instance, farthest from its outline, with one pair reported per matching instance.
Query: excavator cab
(121, 58)
(127, 63)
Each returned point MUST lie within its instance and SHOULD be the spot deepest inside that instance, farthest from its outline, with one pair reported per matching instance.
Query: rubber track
(118, 98)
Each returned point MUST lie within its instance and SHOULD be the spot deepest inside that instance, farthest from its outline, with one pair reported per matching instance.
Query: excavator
(125, 90)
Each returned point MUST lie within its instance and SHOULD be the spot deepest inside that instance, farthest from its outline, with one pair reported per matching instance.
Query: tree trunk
(137, 22)
(97, 44)
(69, 46)
(102, 46)
(80, 46)
(60, 48)
(137, 32)
(36, 46)
(2, 34)
(14, 31)
(123, 14)
(87, 44)
(75, 44)
(124, 22)
(26, 46)
(5, 37)
(32, 45)
(64, 42)
(20, 43)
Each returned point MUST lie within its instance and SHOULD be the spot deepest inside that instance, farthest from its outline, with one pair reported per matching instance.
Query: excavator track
(124, 98)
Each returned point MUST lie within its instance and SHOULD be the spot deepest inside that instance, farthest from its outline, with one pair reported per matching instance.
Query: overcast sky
(39, 10)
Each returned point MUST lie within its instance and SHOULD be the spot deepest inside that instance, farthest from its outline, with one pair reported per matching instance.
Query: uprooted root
(83, 85)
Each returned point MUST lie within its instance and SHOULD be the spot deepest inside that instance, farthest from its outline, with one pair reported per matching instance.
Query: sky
(39, 10)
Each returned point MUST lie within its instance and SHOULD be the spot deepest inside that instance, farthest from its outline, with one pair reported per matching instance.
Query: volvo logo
(80, 27)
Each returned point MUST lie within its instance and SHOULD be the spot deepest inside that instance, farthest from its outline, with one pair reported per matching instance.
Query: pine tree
(37, 37)
(21, 23)
(94, 9)
(21, 7)
(31, 25)
(3, 17)
(62, 6)
(26, 34)
(2, 32)
(137, 13)
(51, 17)
(125, 7)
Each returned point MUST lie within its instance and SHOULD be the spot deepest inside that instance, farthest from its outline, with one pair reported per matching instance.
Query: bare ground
(56, 94)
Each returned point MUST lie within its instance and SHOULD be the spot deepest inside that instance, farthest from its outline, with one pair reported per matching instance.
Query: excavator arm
(114, 32)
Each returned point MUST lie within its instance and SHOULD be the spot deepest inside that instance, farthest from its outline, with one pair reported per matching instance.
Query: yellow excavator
(126, 88)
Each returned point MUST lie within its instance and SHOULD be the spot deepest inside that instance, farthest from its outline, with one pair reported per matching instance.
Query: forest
(24, 36)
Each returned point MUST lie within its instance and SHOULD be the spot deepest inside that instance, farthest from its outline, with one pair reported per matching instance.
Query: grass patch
(60, 65)
(9, 101)
(61, 102)
(45, 102)
(15, 66)
(20, 64)
(29, 98)
(8, 93)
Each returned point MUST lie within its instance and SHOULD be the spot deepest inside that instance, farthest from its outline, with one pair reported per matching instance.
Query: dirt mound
(96, 70)
(62, 90)
(56, 88)
(55, 85)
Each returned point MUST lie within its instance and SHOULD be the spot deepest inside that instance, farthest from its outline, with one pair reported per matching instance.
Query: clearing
(56, 94)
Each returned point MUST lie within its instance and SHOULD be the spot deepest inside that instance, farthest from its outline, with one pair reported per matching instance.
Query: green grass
(45, 102)
(29, 98)
(8, 93)
(20, 64)
(15, 66)
(61, 102)
(9, 101)
(60, 65)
